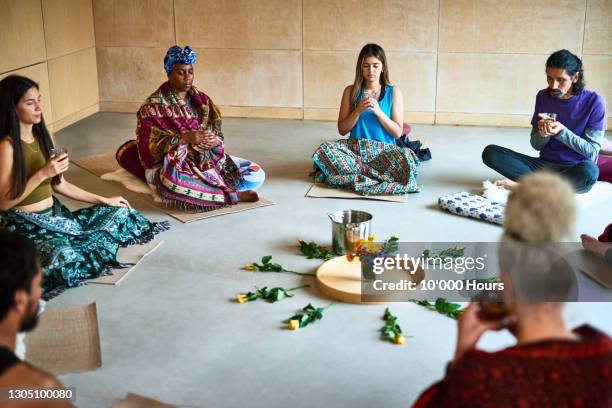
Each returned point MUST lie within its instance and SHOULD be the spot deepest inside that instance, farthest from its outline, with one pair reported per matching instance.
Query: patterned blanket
(79, 245)
(367, 167)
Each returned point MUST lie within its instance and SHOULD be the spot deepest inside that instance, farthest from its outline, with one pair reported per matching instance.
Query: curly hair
(541, 208)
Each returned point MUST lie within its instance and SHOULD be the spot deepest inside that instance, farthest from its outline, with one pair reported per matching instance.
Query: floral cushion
(474, 206)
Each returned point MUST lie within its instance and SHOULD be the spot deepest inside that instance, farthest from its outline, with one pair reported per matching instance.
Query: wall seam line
(437, 62)
(174, 19)
(586, 7)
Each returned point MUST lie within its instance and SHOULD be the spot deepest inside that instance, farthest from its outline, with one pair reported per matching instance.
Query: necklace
(37, 150)
(372, 93)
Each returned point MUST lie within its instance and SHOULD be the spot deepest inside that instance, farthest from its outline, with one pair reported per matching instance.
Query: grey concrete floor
(171, 330)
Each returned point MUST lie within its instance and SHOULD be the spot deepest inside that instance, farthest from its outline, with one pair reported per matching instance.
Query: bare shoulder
(24, 375)
(6, 149)
(6, 143)
(348, 89)
(396, 90)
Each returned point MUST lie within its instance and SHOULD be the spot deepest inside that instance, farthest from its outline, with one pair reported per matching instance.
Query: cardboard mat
(105, 163)
(322, 191)
(138, 401)
(132, 254)
(66, 340)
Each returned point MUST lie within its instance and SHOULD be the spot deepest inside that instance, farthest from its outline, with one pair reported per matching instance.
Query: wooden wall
(53, 43)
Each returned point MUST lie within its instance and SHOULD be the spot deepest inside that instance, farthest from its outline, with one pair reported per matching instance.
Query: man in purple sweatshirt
(568, 144)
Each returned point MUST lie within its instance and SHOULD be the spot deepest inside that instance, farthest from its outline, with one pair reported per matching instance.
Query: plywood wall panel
(251, 77)
(597, 74)
(253, 24)
(68, 26)
(517, 26)
(598, 27)
(73, 81)
(134, 23)
(485, 83)
(129, 73)
(350, 24)
(22, 39)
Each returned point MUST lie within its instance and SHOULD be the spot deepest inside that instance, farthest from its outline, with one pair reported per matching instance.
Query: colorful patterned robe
(184, 175)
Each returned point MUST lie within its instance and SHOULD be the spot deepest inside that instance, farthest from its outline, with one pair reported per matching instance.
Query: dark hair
(369, 50)
(18, 267)
(12, 89)
(563, 59)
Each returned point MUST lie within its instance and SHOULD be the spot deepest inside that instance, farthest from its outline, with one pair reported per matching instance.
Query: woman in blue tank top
(369, 162)
(372, 108)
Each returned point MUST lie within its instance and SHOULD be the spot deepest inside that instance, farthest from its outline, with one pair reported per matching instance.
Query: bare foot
(506, 184)
(248, 196)
(593, 245)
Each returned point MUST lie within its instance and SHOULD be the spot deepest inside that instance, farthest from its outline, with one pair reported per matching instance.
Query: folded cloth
(473, 206)
(415, 146)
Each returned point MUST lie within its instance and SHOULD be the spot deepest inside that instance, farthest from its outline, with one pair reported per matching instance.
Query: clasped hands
(203, 139)
(368, 104)
(549, 127)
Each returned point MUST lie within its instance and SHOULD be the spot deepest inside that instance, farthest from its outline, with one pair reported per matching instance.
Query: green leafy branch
(443, 254)
(267, 266)
(391, 245)
(312, 250)
(391, 330)
(269, 295)
(310, 314)
(442, 306)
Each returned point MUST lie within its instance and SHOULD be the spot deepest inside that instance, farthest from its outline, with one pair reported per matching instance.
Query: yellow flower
(359, 244)
(294, 324)
(372, 237)
(240, 298)
(400, 340)
(299, 243)
(249, 267)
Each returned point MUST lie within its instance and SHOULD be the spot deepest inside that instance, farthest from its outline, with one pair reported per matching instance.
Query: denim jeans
(513, 165)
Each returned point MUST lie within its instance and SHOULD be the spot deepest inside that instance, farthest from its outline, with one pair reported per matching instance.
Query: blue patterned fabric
(80, 245)
(474, 206)
(253, 176)
(368, 126)
(176, 54)
(366, 167)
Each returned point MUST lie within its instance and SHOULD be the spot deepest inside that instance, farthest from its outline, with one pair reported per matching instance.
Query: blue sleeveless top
(368, 126)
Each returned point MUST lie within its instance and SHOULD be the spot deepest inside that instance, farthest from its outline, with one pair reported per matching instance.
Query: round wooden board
(340, 280)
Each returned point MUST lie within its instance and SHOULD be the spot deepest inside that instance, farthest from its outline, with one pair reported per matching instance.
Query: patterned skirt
(366, 167)
(80, 245)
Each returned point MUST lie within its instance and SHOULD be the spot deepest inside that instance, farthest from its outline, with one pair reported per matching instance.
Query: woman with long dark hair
(370, 162)
(73, 246)
(372, 108)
